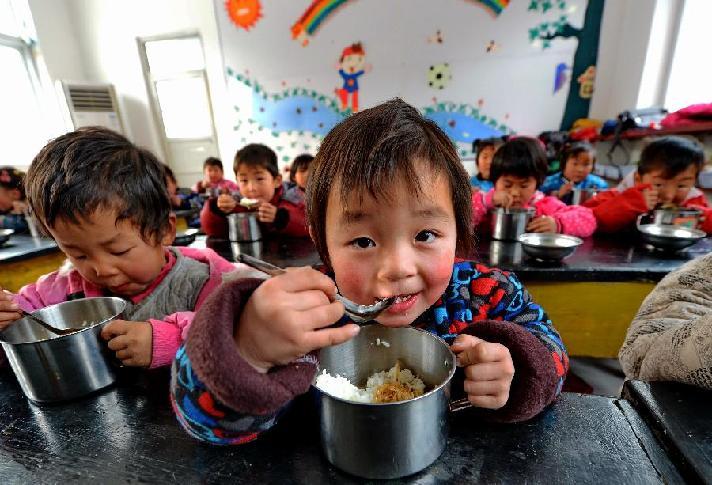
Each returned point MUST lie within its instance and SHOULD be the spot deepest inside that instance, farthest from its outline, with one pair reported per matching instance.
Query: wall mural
(289, 95)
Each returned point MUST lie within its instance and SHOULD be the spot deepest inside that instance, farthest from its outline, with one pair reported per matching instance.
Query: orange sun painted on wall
(244, 13)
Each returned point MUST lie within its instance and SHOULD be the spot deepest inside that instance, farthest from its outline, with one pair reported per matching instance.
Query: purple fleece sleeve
(211, 348)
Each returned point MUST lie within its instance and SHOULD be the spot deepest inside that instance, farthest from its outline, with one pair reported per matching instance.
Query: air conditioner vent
(91, 99)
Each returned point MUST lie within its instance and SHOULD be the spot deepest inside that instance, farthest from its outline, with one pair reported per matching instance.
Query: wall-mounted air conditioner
(92, 105)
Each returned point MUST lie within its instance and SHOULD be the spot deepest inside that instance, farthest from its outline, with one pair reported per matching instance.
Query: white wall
(96, 41)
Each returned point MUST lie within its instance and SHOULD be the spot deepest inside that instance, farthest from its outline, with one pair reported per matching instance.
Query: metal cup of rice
(385, 440)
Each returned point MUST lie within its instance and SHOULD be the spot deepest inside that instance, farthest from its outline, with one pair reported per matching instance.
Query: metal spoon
(53, 329)
(358, 313)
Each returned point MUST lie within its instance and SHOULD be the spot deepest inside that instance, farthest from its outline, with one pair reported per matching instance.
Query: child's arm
(615, 211)
(574, 220)
(248, 350)
(552, 183)
(522, 326)
(480, 206)
(669, 339)
(291, 219)
(213, 220)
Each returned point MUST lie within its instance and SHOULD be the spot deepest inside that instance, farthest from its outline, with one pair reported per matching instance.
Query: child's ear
(277, 180)
(637, 178)
(311, 233)
(170, 235)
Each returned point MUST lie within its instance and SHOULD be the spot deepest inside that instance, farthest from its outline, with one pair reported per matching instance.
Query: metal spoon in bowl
(360, 314)
(51, 328)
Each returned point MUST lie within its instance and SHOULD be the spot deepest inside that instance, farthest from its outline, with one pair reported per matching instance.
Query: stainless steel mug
(244, 227)
(393, 439)
(53, 368)
(509, 224)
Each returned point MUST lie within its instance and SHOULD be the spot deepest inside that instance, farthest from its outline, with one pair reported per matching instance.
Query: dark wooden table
(681, 417)
(129, 434)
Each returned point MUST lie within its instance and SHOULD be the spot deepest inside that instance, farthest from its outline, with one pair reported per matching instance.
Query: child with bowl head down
(666, 177)
(105, 203)
(518, 169)
(388, 206)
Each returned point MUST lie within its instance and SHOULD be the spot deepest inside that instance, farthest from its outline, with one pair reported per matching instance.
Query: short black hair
(672, 154)
(96, 168)
(368, 151)
(573, 150)
(213, 162)
(12, 179)
(300, 163)
(257, 155)
(169, 175)
(521, 157)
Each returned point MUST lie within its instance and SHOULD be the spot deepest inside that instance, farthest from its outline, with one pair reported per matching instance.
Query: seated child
(12, 200)
(388, 207)
(104, 201)
(670, 338)
(213, 178)
(299, 171)
(181, 201)
(666, 177)
(483, 155)
(578, 159)
(518, 168)
(280, 210)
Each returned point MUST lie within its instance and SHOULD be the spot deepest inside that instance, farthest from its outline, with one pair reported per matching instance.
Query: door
(174, 68)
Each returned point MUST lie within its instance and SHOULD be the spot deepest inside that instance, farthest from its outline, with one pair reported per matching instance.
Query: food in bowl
(394, 385)
(249, 203)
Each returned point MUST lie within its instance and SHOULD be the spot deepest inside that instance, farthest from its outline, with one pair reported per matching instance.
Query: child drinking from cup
(483, 156)
(389, 209)
(518, 168)
(213, 178)
(12, 200)
(279, 209)
(578, 159)
(666, 177)
(105, 203)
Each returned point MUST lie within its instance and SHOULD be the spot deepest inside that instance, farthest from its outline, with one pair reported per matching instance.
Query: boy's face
(671, 191)
(213, 173)
(484, 161)
(257, 182)
(7, 196)
(402, 247)
(112, 254)
(301, 177)
(579, 167)
(521, 189)
(353, 63)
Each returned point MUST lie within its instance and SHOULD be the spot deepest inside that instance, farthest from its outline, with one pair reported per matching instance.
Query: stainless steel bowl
(54, 368)
(5, 235)
(394, 439)
(579, 196)
(686, 217)
(669, 237)
(548, 246)
(509, 224)
(243, 227)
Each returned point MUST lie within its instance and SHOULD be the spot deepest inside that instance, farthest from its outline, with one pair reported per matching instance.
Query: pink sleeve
(480, 205)
(574, 220)
(49, 289)
(168, 335)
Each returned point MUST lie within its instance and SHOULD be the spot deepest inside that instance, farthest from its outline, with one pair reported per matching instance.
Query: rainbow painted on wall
(319, 10)
(312, 18)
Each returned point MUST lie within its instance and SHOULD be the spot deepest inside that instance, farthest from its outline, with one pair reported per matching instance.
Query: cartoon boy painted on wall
(352, 65)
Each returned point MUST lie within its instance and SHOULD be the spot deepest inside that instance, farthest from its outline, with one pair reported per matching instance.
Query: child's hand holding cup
(226, 203)
(286, 317)
(501, 198)
(9, 310)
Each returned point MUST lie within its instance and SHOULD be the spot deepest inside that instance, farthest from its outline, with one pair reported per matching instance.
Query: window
(22, 121)
(691, 71)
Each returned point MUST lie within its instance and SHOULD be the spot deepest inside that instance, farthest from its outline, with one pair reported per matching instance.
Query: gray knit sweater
(670, 338)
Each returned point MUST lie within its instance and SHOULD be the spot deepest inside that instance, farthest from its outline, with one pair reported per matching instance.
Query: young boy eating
(666, 177)
(389, 208)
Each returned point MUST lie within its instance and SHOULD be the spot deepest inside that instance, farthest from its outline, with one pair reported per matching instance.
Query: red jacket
(289, 221)
(616, 211)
